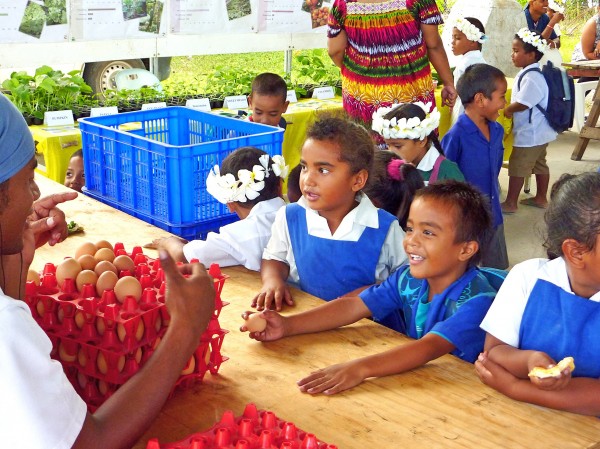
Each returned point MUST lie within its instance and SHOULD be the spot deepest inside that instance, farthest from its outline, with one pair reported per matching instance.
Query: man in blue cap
(39, 407)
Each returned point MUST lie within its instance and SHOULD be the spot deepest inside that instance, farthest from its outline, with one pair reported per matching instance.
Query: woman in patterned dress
(383, 49)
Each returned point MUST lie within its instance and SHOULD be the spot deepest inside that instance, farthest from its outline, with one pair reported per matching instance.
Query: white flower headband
(555, 6)
(470, 31)
(227, 189)
(412, 128)
(533, 39)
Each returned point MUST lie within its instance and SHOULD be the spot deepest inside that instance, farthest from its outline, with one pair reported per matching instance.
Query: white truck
(101, 37)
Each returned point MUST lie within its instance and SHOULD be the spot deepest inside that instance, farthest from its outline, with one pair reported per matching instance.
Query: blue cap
(16, 143)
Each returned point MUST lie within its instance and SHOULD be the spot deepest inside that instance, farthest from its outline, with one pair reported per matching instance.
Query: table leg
(589, 130)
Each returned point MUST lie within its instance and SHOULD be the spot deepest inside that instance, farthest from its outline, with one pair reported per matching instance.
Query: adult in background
(383, 50)
(589, 45)
(538, 20)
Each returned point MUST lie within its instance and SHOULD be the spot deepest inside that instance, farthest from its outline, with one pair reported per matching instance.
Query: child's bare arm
(336, 378)
(514, 107)
(274, 290)
(581, 395)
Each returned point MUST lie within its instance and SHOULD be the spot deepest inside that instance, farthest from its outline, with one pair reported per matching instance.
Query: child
(441, 297)
(268, 100)
(409, 131)
(531, 130)
(550, 309)
(333, 240)
(293, 184)
(75, 177)
(475, 144)
(249, 182)
(468, 35)
(392, 184)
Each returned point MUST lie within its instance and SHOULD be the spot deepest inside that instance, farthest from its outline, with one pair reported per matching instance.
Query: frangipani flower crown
(470, 31)
(556, 6)
(533, 39)
(412, 128)
(247, 186)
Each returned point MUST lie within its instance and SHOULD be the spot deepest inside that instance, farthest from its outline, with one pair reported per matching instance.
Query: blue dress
(562, 324)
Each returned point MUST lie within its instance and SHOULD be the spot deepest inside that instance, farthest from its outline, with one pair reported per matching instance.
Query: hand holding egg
(267, 325)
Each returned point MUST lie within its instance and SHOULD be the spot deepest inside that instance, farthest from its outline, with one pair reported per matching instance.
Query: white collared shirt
(239, 243)
(503, 320)
(350, 229)
(533, 91)
(466, 60)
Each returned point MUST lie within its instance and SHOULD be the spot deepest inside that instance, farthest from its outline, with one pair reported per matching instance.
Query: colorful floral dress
(385, 61)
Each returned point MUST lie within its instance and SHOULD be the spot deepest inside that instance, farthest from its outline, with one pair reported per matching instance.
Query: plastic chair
(134, 79)
(579, 116)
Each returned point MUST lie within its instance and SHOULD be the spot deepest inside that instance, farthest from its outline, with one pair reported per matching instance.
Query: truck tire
(101, 75)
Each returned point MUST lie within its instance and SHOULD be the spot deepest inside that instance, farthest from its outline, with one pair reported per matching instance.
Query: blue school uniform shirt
(541, 24)
(479, 160)
(454, 314)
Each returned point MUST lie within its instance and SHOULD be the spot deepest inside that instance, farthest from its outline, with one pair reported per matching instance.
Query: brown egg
(106, 281)
(41, 308)
(139, 333)
(86, 277)
(87, 262)
(33, 275)
(65, 355)
(189, 368)
(67, 269)
(100, 326)
(255, 323)
(105, 265)
(79, 319)
(105, 254)
(128, 286)
(102, 387)
(82, 357)
(85, 248)
(82, 379)
(103, 365)
(124, 263)
(104, 244)
(138, 355)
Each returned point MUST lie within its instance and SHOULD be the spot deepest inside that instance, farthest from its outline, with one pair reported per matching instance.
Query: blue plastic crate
(154, 164)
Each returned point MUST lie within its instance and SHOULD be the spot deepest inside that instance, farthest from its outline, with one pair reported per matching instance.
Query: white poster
(33, 20)
(293, 16)
(212, 16)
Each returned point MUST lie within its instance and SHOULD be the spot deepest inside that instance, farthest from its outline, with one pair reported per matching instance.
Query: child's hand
(543, 360)
(274, 292)
(494, 375)
(508, 113)
(275, 326)
(333, 379)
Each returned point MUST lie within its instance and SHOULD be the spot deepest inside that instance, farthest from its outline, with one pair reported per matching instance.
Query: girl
(439, 298)
(531, 130)
(392, 184)
(550, 309)
(249, 182)
(75, 176)
(409, 131)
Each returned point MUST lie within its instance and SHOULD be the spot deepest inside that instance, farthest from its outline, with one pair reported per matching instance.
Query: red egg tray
(255, 429)
(101, 343)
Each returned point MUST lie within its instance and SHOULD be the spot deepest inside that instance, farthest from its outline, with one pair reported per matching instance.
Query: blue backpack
(561, 97)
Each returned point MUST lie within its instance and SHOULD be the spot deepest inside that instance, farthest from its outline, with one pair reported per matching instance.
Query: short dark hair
(573, 212)
(409, 110)
(293, 184)
(78, 153)
(478, 78)
(477, 23)
(473, 217)
(354, 141)
(270, 84)
(388, 193)
(530, 48)
(246, 158)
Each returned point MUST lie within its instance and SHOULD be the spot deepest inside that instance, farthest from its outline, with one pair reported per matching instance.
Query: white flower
(556, 6)
(412, 128)
(279, 167)
(533, 39)
(469, 30)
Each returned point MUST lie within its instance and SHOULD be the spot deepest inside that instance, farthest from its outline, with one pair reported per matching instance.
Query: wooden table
(589, 131)
(442, 405)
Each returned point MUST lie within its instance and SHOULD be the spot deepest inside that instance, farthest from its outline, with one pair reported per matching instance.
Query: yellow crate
(54, 148)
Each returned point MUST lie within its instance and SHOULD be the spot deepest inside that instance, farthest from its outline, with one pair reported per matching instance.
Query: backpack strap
(436, 169)
(532, 69)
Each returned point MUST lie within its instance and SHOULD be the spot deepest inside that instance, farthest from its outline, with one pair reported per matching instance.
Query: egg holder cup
(255, 429)
(84, 327)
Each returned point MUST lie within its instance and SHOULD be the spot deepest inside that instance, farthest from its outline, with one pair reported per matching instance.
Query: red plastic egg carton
(255, 429)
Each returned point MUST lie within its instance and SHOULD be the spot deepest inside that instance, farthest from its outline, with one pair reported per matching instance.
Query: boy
(441, 297)
(538, 20)
(268, 100)
(475, 144)
(39, 406)
(75, 175)
(333, 240)
(532, 132)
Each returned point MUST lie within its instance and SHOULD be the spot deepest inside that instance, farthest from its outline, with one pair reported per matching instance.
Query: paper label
(323, 93)
(291, 96)
(199, 104)
(101, 112)
(236, 102)
(150, 106)
(58, 118)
